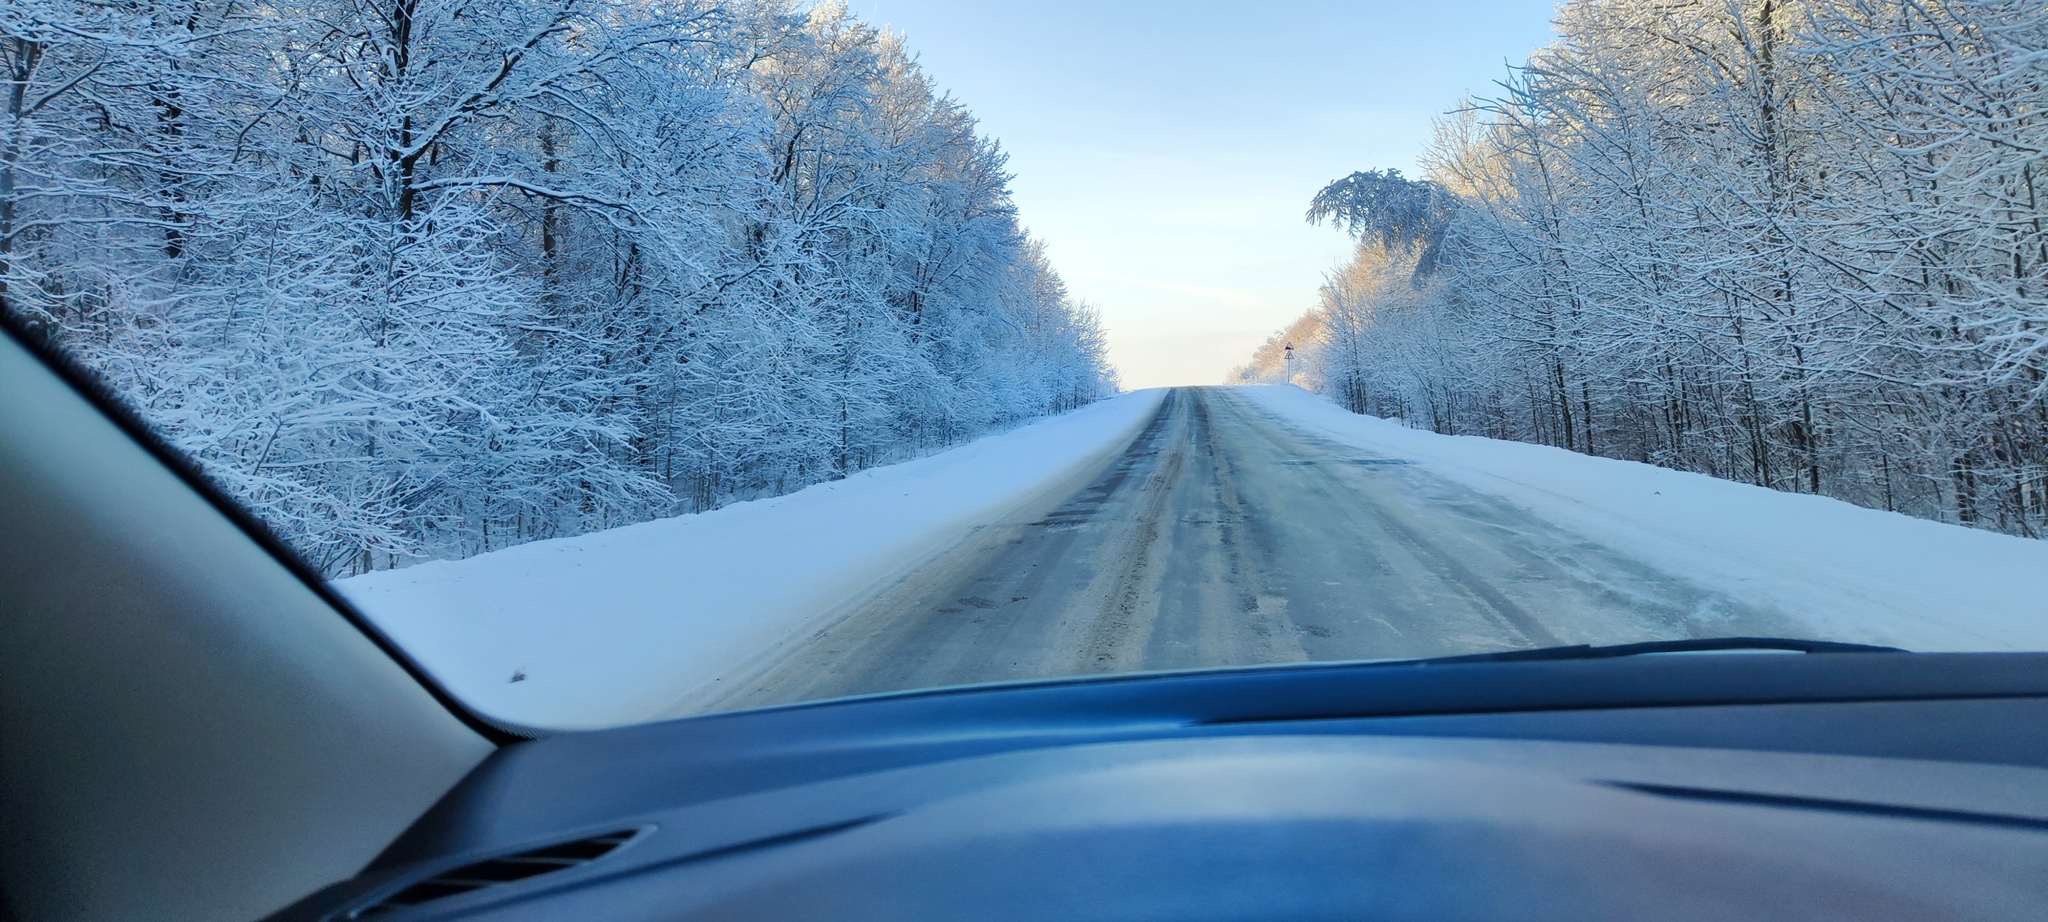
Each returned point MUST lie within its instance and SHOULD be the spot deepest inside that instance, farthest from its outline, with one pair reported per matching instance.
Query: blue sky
(1166, 151)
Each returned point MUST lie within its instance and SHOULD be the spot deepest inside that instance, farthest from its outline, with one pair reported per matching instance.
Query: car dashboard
(1864, 786)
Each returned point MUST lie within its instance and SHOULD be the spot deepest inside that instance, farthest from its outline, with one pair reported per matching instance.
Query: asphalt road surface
(1223, 536)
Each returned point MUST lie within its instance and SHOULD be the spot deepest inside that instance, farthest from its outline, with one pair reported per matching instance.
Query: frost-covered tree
(1793, 242)
(421, 278)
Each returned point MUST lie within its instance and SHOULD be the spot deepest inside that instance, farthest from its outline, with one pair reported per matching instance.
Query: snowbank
(1851, 573)
(618, 626)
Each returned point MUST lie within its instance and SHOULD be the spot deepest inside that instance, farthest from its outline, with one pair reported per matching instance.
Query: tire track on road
(1223, 536)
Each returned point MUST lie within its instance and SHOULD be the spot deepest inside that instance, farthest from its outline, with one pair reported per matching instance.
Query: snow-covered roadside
(616, 626)
(1852, 573)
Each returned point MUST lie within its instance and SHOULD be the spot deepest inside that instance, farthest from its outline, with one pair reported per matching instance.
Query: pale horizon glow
(1166, 152)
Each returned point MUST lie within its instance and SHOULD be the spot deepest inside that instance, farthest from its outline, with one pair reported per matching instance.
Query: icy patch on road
(1850, 573)
(616, 626)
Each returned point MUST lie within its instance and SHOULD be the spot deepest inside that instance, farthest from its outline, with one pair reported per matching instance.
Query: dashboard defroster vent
(492, 872)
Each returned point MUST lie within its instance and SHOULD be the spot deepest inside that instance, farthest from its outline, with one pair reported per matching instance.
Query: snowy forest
(423, 278)
(1797, 243)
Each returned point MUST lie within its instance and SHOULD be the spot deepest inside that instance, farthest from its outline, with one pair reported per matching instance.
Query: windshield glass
(626, 360)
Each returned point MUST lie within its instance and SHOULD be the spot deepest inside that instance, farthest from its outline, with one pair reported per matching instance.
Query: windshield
(624, 361)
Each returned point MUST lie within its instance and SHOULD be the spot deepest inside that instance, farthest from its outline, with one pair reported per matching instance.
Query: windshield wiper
(1697, 645)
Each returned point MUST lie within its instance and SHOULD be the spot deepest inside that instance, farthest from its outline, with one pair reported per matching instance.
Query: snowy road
(1227, 536)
